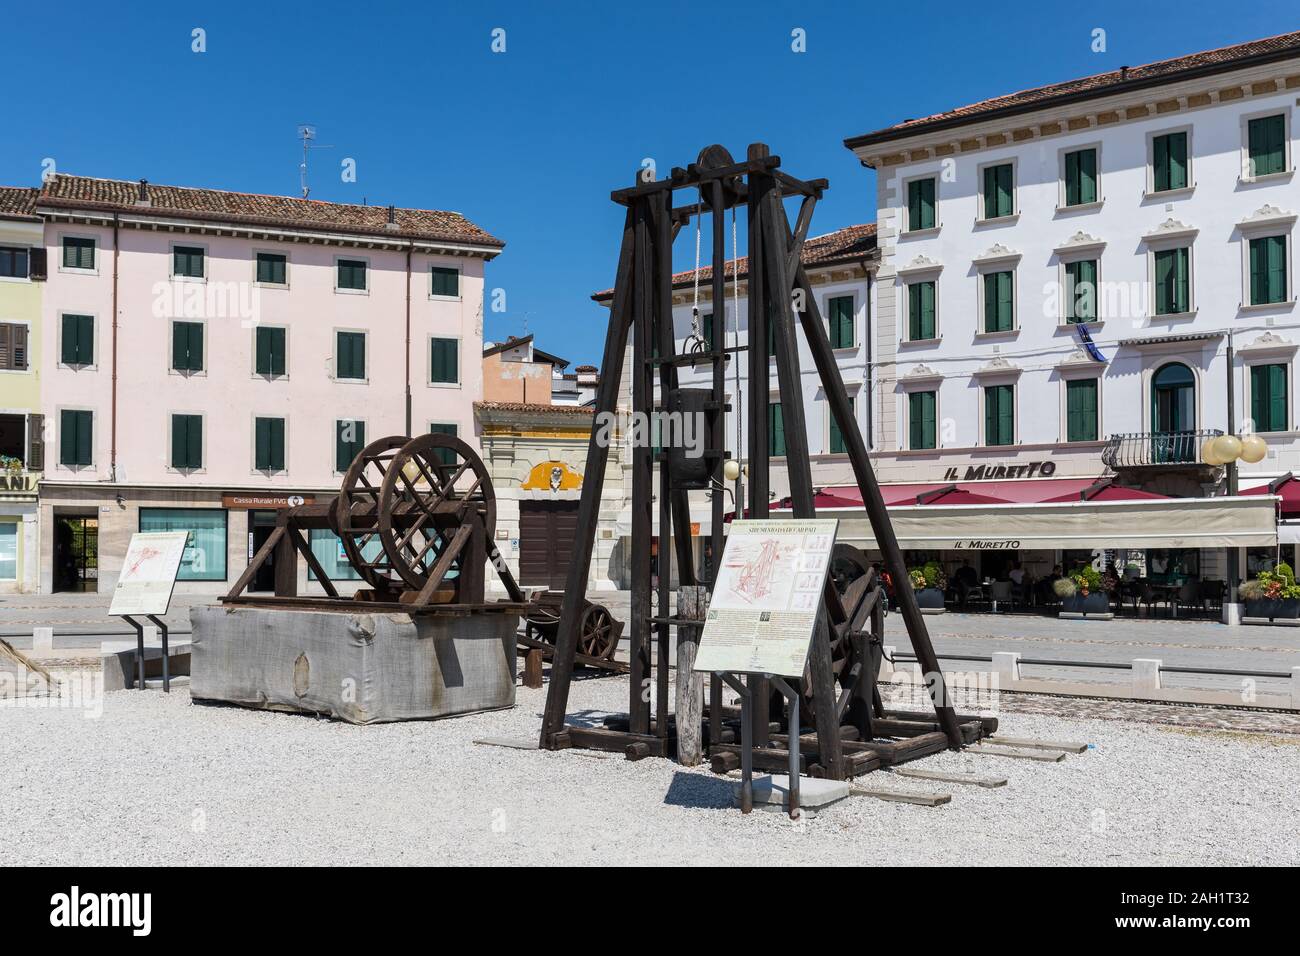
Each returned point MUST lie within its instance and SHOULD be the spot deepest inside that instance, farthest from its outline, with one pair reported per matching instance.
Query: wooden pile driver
(416, 518)
(852, 732)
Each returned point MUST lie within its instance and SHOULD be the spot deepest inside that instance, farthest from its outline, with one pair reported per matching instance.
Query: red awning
(1108, 493)
(1009, 491)
(1287, 488)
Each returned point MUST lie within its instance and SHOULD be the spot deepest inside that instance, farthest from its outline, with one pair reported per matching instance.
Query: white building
(1151, 209)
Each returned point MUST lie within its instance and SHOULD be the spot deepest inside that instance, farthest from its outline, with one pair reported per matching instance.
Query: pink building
(211, 356)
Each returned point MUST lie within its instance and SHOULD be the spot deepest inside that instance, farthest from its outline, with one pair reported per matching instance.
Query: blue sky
(529, 142)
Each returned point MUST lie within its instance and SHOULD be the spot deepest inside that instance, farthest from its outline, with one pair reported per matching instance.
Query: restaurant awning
(1146, 523)
(1287, 488)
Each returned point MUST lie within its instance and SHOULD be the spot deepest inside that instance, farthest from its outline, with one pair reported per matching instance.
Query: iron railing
(1142, 449)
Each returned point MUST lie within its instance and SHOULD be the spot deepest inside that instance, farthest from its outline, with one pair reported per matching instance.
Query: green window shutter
(271, 268)
(78, 340)
(837, 445)
(344, 450)
(1081, 177)
(775, 429)
(1268, 270)
(998, 310)
(1081, 291)
(445, 281)
(187, 261)
(920, 310)
(997, 191)
(1268, 397)
(840, 311)
(707, 322)
(1267, 145)
(920, 204)
(999, 415)
(1164, 268)
(270, 351)
(990, 302)
(187, 346)
(446, 455)
(921, 420)
(1072, 179)
(270, 444)
(78, 253)
(1169, 158)
(444, 364)
(1081, 410)
(1160, 163)
(1182, 280)
(187, 441)
(1173, 281)
(75, 437)
(351, 362)
(351, 274)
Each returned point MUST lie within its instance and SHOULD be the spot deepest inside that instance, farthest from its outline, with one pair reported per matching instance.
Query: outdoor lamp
(1227, 448)
(1253, 449)
(731, 469)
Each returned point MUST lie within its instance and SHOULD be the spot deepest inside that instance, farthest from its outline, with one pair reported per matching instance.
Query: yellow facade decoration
(552, 476)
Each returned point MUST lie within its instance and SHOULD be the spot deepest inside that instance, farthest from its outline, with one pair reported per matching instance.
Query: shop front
(18, 532)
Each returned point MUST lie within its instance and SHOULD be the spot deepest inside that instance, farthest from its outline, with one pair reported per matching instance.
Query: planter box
(930, 600)
(1287, 609)
(1095, 605)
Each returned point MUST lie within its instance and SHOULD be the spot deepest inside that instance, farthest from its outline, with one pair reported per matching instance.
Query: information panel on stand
(767, 596)
(149, 572)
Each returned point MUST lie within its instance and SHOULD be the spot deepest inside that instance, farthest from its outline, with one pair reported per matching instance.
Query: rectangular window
(187, 442)
(13, 347)
(775, 429)
(920, 204)
(999, 315)
(707, 322)
(920, 311)
(272, 268)
(329, 552)
(78, 253)
(13, 262)
(204, 558)
(352, 274)
(187, 261)
(1081, 291)
(8, 550)
(999, 415)
(268, 441)
(1169, 162)
(444, 361)
(1081, 410)
(78, 348)
(75, 438)
(1173, 285)
(445, 281)
(349, 439)
(350, 357)
(1268, 270)
(1081, 177)
(840, 312)
(187, 346)
(270, 351)
(837, 445)
(1268, 400)
(921, 420)
(446, 455)
(997, 191)
(1266, 143)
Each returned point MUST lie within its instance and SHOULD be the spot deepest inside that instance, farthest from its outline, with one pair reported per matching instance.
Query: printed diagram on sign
(772, 572)
(754, 579)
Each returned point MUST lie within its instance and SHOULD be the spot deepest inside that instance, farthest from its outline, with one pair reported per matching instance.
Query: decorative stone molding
(1269, 341)
(921, 263)
(1267, 216)
(998, 365)
(920, 375)
(997, 254)
(1080, 242)
(1171, 228)
(1079, 358)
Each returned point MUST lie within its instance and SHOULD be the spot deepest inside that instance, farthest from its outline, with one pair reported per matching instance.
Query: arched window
(1173, 399)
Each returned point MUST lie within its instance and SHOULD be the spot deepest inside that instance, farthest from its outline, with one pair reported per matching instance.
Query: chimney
(142, 194)
(391, 224)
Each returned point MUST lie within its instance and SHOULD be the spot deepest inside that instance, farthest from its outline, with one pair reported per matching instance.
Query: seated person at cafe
(1044, 587)
(965, 579)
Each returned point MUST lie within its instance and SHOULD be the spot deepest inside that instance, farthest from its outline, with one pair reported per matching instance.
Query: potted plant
(1085, 591)
(1272, 594)
(929, 582)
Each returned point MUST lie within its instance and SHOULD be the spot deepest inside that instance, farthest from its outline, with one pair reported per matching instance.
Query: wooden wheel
(433, 486)
(355, 516)
(597, 632)
(857, 584)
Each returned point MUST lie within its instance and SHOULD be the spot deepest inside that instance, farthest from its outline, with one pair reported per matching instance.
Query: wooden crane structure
(853, 732)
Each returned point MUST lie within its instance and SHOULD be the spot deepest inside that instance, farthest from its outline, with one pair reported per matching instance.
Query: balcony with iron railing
(1181, 449)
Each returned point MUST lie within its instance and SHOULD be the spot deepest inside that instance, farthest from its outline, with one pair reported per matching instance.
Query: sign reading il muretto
(767, 596)
(1030, 469)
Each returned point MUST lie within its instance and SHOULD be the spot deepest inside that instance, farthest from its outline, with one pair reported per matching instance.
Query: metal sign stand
(139, 650)
(732, 680)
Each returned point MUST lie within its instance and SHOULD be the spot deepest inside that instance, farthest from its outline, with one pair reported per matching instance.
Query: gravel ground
(157, 780)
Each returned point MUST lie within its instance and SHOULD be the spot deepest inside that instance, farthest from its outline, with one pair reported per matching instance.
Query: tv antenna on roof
(307, 134)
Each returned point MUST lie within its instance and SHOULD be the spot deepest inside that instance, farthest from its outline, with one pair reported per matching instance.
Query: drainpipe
(112, 452)
(409, 247)
(1233, 552)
